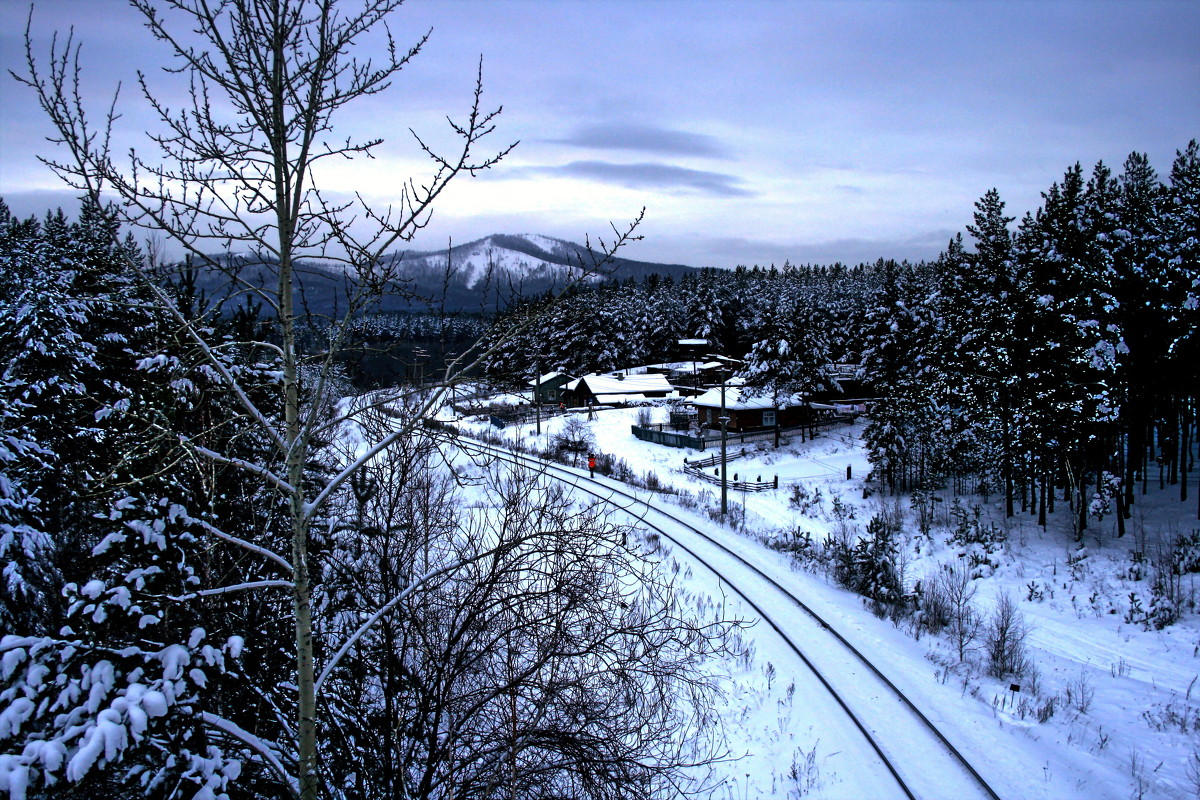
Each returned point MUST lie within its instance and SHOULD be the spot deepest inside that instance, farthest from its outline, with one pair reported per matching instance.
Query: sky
(752, 132)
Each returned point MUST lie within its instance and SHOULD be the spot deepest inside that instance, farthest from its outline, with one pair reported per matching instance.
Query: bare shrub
(1192, 770)
(568, 667)
(805, 773)
(1079, 693)
(1046, 709)
(1004, 639)
(963, 621)
(575, 438)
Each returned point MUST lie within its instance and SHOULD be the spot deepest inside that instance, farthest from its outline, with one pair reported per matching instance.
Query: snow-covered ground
(1124, 707)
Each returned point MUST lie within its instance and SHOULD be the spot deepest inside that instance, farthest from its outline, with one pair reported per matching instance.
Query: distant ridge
(485, 275)
(520, 265)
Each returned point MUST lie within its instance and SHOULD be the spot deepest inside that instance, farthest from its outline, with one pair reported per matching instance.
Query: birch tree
(234, 171)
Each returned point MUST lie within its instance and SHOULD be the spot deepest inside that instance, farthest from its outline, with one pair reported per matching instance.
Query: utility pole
(537, 394)
(724, 418)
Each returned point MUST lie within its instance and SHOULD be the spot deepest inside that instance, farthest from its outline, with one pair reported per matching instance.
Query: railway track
(897, 731)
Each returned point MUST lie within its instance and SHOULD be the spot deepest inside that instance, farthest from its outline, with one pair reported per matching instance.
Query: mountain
(485, 275)
(501, 268)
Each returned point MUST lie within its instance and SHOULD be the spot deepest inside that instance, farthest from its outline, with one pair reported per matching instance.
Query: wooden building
(549, 387)
(749, 413)
(614, 389)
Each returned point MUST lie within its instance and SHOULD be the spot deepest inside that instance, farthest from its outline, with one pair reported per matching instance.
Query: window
(768, 417)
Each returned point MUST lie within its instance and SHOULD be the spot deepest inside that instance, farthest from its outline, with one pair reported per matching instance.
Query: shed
(618, 388)
(548, 388)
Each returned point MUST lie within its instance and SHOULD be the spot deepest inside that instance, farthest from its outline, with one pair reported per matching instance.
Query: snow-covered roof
(693, 342)
(734, 399)
(629, 384)
(549, 376)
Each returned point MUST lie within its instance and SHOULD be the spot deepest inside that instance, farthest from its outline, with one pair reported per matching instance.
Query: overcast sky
(752, 131)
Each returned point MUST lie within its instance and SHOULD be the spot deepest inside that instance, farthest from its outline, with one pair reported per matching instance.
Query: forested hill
(511, 267)
(486, 275)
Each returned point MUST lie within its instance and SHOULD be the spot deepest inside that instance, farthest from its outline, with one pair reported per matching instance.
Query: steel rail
(548, 466)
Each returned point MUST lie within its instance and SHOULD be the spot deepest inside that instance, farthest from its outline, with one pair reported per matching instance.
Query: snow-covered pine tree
(791, 359)
(982, 349)
(111, 677)
(1181, 221)
(899, 363)
(1136, 246)
(1068, 316)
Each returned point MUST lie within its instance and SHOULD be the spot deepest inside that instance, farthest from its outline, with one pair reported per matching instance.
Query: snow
(1126, 714)
(549, 376)
(604, 385)
(734, 399)
(473, 262)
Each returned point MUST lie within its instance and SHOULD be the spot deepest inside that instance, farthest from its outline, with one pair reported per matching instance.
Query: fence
(667, 438)
(712, 460)
(736, 485)
(768, 434)
(742, 437)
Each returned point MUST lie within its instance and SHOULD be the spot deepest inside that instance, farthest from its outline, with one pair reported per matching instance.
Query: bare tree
(963, 621)
(1005, 638)
(556, 663)
(233, 170)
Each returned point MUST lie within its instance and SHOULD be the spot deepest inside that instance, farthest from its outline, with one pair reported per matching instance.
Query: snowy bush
(799, 543)
(1102, 500)
(1185, 552)
(977, 542)
(1077, 562)
(806, 502)
(868, 566)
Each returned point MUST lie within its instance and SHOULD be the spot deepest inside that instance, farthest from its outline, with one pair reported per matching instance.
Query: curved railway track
(956, 777)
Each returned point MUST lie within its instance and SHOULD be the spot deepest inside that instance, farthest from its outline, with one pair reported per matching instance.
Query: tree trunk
(1042, 504)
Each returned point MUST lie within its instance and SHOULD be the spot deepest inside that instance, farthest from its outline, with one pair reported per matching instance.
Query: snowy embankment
(1109, 710)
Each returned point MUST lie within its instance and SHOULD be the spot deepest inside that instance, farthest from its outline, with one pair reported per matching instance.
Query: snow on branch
(238, 587)
(255, 743)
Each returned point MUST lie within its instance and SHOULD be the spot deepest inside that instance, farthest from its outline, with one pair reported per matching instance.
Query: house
(749, 413)
(548, 388)
(619, 388)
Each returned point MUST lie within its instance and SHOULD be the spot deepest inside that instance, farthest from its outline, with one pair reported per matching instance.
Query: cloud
(731, 251)
(646, 139)
(647, 175)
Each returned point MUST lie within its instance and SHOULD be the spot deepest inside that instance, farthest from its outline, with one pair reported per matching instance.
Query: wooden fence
(713, 460)
(734, 484)
(668, 438)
